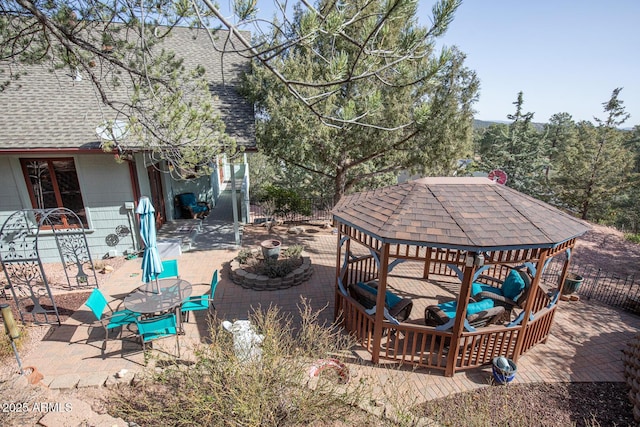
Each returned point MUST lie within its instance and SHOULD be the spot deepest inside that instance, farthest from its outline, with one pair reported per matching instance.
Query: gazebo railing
(357, 322)
(427, 347)
(438, 259)
(361, 269)
(538, 329)
(480, 347)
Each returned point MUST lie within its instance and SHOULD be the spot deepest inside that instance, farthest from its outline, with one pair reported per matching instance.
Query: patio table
(146, 300)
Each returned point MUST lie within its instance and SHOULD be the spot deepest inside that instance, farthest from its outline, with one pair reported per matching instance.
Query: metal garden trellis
(20, 237)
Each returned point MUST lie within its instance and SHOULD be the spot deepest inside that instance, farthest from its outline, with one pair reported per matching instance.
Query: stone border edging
(258, 282)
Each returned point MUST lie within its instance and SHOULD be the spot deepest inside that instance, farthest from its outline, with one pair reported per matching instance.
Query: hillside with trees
(589, 169)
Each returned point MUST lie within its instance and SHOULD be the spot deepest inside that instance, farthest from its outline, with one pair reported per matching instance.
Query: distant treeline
(591, 169)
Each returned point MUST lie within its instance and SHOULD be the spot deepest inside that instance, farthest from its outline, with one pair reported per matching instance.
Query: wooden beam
(533, 292)
(461, 312)
(336, 290)
(380, 300)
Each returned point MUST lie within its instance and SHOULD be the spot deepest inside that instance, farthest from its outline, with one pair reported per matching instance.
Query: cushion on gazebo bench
(479, 313)
(513, 285)
(399, 308)
(449, 308)
(511, 293)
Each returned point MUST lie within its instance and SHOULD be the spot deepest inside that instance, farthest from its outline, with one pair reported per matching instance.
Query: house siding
(105, 186)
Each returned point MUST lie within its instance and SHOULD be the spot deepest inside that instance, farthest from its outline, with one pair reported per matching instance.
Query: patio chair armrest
(198, 299)
(402, 310)
(487, 317)
(498, 299)
(490, 279)
(434, 316)
(120, 317)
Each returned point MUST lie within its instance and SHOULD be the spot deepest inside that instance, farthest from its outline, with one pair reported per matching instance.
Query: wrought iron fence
(310, 209)
(609, 288)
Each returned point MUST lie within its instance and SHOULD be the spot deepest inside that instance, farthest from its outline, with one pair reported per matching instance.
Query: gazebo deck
(405, 282)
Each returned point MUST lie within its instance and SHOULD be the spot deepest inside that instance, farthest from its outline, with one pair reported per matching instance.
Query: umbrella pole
(158, 286)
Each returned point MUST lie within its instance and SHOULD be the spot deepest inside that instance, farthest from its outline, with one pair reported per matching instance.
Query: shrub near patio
(259, 272)
(221, 389)
(280, 267)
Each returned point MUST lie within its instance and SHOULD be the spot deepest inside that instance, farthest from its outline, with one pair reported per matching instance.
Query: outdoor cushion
(449, 308)
(365, 294)
(476, 288)
(477, 307)
(390, 299)
(188, 199)
(513, 285)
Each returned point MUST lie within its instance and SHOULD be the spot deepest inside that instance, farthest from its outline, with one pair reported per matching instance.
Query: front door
(157, 195)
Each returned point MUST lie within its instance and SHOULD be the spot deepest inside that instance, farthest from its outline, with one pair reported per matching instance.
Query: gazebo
(471, 228)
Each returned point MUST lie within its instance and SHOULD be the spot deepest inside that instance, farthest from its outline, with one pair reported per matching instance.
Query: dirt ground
(602, 247)
(605, 247)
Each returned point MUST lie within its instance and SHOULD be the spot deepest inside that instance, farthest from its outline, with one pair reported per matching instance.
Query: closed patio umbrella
(151, 263)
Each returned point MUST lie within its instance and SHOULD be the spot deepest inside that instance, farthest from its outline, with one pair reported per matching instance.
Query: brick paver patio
(585, 345)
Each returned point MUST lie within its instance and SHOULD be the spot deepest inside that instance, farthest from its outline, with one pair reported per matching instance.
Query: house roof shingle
(47, 109)
(474, 214)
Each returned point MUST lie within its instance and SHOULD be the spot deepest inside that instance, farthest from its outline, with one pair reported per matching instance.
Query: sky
(565, 56)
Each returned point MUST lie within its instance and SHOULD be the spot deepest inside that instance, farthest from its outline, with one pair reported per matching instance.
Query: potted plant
(270, 249)
(571, 284)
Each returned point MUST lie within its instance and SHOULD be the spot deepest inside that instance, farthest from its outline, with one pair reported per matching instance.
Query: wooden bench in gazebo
(482, 230)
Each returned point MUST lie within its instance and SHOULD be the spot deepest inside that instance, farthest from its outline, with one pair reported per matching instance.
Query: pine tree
(517, 149)
(594, 168)
(400, 106)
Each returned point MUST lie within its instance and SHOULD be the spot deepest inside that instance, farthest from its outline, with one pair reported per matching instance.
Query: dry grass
(221, 388)
(544, 405)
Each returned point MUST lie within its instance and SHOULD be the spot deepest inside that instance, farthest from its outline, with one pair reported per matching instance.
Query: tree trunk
(586, 203)
(340, 184)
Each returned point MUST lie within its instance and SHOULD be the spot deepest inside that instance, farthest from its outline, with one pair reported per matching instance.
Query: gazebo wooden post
(427, 262)
(336, 309)
(535, 284)
(565, 270)
(380, 301)
(461, 311)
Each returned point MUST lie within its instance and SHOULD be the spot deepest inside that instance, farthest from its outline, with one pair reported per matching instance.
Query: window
(53, 183)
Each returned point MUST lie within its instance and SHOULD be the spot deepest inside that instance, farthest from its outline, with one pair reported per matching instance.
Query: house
(51, 155)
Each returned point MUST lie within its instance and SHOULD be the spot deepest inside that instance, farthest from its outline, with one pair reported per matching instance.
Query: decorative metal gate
(19, 254)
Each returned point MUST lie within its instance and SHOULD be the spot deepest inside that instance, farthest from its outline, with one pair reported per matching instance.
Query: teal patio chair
(200, 302)
(153, 328)
(97, 303)
(169, 269)
(190, 207)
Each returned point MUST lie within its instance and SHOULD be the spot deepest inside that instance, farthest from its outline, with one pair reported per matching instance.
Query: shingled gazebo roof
(474, 214)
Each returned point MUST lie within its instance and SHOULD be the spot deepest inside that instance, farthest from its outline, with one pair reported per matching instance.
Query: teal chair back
(170, 269)
(200, 302)
(214, 283)
(157, 327)
(97, 303)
